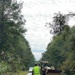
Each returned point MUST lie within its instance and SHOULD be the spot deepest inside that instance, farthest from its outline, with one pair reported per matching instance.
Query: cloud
(37, 55)
(72, 22)
(38, 38)
(37, 13)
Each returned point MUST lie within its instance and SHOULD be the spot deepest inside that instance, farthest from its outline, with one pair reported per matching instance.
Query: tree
(69, 62)
(11, 20)
(13, 46)
(60, 52)
(59, 22)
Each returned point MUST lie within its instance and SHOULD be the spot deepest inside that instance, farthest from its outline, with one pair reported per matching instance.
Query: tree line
(15, 51)
(61, 50)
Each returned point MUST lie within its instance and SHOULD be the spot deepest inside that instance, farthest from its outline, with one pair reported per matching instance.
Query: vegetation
(17, 73)
(14, 49)
(60, 51)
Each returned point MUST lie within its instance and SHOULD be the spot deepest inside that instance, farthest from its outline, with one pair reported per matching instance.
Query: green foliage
(60, 52)
(17, 73)
(14, 49)
(69, 63)
(3, 67)
(59, 20)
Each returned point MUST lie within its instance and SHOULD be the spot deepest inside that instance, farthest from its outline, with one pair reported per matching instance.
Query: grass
(18, 73)
(21, 73)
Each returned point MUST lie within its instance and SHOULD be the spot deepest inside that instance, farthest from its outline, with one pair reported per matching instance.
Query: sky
(37, 13)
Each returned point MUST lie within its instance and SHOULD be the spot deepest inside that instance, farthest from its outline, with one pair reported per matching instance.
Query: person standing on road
(36, 70)
(43, 70)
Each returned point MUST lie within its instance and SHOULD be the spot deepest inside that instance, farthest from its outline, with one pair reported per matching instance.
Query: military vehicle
(49, 69)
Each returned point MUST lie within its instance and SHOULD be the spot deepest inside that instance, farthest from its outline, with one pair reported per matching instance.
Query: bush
(3, 67)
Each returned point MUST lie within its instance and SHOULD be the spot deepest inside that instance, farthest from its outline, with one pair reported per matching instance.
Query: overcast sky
(37, 13)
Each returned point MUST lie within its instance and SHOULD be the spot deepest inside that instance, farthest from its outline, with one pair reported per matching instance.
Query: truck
(49, 69)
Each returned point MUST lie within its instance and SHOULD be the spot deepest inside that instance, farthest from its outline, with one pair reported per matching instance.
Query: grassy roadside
(18, 73)
(21, 73)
